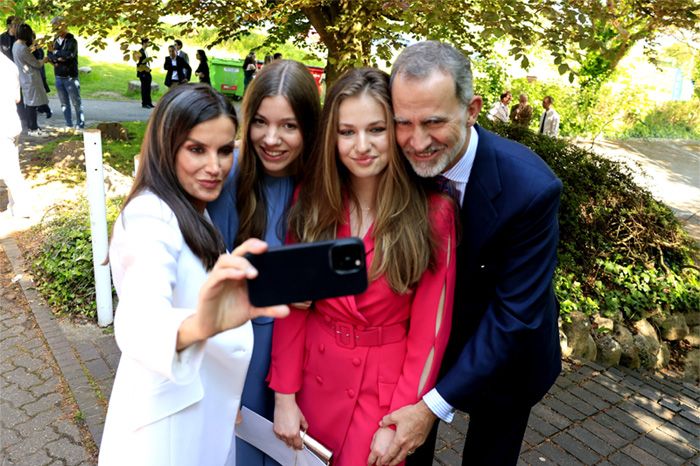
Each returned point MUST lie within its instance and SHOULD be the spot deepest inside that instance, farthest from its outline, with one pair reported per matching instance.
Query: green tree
(367, 32)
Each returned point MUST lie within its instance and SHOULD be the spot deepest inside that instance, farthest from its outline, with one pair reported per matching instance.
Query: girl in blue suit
(280, 116)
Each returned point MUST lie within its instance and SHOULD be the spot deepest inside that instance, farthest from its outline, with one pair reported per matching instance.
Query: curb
(68, 362)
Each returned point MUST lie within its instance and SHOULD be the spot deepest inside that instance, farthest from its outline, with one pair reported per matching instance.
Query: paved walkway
(592, 415)
(37, 415)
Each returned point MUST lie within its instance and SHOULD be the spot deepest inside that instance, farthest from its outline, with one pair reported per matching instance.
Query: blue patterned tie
(446, 186)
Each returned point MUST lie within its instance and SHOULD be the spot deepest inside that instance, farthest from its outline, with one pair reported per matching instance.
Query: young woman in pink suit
(340, 366)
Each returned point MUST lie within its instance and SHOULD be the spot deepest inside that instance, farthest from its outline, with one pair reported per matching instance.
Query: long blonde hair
(403, 240)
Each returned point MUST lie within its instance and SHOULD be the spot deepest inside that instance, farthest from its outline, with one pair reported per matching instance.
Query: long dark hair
(291, 80)
(404, 242)
(178, 111)
(25, 34)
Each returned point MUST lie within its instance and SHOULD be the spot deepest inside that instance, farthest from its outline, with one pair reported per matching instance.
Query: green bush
(62, 264)
(679, 120)
(621, 252)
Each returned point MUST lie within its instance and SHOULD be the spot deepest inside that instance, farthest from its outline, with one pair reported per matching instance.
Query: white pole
(98, 224)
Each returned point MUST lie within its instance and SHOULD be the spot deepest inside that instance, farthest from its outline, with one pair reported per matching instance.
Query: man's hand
(413, 424)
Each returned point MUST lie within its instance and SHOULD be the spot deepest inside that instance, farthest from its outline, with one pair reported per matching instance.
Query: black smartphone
(308, 272)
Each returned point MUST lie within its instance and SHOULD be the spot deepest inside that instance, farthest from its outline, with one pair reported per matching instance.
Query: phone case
(308, 272)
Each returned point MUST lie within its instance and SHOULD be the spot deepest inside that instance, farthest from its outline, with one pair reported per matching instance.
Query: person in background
(7, 38)
(521, 113)
(338, 368)
(30, 78)
(143, 72)
(181, 53)
(63, 55)
(549, 121)
(10, 128)
(281, 113)
(202, 70)
(268, 60)
(39, 54)
(250, 67)
(277, 56)
(177, 69)
(504, 352)
(182, 320)
(499, 111)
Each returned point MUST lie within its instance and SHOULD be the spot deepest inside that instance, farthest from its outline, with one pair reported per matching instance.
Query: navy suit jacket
(504, 345)
(183, 70)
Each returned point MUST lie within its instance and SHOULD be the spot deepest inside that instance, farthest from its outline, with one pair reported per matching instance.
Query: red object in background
(317, 73)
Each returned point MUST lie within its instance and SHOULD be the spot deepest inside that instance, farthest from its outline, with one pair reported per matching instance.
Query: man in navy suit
(503, 354)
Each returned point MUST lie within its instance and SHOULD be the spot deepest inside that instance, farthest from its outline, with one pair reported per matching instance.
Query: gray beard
(434, 168)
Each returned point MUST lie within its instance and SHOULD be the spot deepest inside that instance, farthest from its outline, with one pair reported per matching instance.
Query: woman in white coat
(182, 322)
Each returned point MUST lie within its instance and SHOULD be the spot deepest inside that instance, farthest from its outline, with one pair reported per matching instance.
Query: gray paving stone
(641, 456)
(681, 448)
(683, 423)
(615, 424)
(583, 407)
(564, 409)
(66, 450)
(649, 420)
(597, 444)
(620, 459)
(607, 435)
(549, 415)
(575, 448)
(543, 427)
(658, 451)
(557, 454)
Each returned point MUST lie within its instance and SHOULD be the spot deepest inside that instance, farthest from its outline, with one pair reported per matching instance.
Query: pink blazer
(343, 389)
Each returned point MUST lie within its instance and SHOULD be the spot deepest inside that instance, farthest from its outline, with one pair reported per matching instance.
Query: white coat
(167, 407)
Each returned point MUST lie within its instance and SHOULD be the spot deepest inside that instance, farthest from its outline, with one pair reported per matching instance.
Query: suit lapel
(478, 213)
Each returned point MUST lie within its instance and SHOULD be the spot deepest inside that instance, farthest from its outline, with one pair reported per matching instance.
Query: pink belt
(348, 335)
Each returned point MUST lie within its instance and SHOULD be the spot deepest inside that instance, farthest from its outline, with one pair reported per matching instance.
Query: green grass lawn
(120, 154)
(109, 81)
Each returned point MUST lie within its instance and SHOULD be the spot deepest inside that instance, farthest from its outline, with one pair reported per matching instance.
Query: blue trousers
(257, 396)
(68, 90)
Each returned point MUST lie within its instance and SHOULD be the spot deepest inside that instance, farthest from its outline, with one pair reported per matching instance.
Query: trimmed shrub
(621, 252)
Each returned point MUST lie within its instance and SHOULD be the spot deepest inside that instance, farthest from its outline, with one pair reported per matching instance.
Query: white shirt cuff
(437, 404)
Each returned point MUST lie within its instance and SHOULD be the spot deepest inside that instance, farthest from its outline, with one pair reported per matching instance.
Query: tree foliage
(368, 32)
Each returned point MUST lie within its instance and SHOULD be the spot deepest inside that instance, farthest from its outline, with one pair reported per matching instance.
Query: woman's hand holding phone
(223, 299)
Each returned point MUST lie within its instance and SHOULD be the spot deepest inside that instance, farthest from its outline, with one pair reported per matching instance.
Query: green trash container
(227, 76)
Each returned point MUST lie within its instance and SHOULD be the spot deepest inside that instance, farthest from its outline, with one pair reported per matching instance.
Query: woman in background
(182, 320)
(343, 365)
(280, 110)
(202, 70)
(30, 78)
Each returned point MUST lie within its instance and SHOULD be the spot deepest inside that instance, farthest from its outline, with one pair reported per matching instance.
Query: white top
(551, 122)
(175, 76)
(167, 407)
(499, 112)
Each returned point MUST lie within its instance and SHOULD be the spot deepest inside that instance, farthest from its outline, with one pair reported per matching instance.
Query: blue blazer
(504, 345)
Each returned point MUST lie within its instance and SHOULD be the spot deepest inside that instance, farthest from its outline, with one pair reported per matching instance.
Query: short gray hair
(58, 20)
(420, 60)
